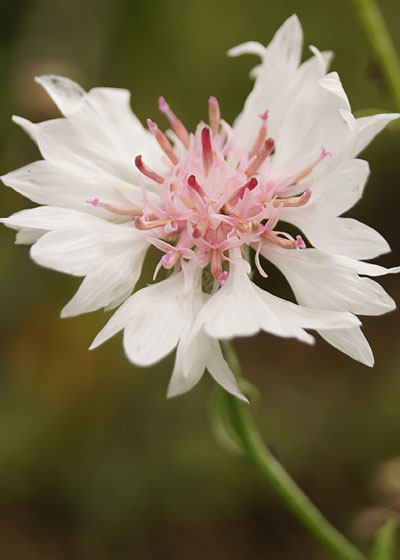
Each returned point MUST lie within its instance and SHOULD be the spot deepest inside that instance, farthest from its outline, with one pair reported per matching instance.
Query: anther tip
(269, 144)
(300, 242)
(93, 202)
(264, 116)
(212, 99)
(162, 104)
(223, 278)
(325, 153)
(152, 125)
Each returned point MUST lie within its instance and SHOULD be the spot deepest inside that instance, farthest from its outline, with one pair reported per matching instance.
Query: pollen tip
(152, 125)
(269, 143)
(300, 242)
(223, 278)
(325, 153)
(93, 202)
(252, 183)
(264, 116)
(162, 104)
(166, 258)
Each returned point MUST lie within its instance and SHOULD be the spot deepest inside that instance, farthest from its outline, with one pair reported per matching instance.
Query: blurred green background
(95, 463)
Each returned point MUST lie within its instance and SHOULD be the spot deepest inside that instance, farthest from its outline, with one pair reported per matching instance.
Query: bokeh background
(95, 463)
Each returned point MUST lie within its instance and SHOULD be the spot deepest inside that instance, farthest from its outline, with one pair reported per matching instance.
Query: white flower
(110, 189)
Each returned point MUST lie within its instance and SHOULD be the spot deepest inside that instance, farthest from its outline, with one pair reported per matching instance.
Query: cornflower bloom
(109, 189)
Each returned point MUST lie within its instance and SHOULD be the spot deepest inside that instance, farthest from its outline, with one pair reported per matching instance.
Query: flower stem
(273, 473)
(381, 44)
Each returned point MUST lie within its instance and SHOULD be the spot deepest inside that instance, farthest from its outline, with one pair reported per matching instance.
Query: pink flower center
(215, 195)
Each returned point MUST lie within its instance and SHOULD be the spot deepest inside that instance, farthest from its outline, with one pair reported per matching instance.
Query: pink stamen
(151, 224)
(307, 170)
(223, 278)
(163, 142)
(206, 149)
(147, 171)
(294, 201)
(173, 257)
(165, 259)
(261, 157)
(214, 114)
(300, 242)
(282, 242)
(176, 123)
(262, 134)
(115, 209)
(192, 182)
(216, 263)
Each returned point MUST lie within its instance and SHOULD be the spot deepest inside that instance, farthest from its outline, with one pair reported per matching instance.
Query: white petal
(314, 117)
(250, 47)
(66, 94)
(49, 218)
(331, 82)
(196, 351)
(221, 372)
(240, 308)
(337, 192)
(26, 236)
(369, 127)
(340, 236)
(189, 365)
(275, 76)
(153, 320)
(73, 251)
(327, 281)
(58, 184)
(352, 342)
(109, 283)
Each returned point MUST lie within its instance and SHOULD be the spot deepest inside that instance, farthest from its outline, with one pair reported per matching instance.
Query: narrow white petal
(49, 218)
(250, 47)
(351, 342)
(369, 127)
(275, 78)
(340, 236)
(153, 320)
(72, 251)
(336, 192)
(66, 94)
(221, 372)
(190, 363)
(58, 184)
(108, 284)
(240, 308)
(327, 281)
(331, 82)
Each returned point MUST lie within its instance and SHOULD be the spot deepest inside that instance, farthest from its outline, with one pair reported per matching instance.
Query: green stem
(381, 44)
(274, 474)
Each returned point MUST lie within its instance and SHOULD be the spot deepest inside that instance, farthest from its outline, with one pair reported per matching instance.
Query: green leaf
(384, 543)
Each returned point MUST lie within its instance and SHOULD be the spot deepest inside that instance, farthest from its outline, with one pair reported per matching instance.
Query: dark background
(95, 463)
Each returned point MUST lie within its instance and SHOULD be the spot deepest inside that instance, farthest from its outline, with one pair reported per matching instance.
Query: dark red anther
(192, 182)
(207, 149)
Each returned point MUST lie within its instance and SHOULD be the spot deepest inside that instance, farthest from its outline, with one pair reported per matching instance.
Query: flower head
(110, 188)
